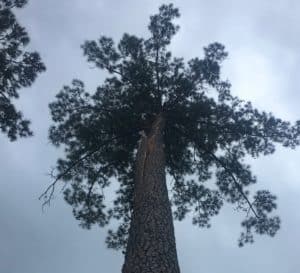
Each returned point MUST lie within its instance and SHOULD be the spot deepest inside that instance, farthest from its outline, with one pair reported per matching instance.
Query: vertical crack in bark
(151, 244)
(141, 159)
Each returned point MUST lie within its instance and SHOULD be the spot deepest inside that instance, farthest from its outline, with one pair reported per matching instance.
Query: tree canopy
(18, 69)
(208, 133)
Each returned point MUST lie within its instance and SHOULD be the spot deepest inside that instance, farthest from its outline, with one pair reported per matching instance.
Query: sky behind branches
(263, 40)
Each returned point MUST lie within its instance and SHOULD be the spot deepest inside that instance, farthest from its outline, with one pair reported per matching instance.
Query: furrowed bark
(151, 244)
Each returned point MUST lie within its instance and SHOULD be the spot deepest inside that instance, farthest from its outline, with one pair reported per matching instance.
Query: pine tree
(18, 69)
(157, 116)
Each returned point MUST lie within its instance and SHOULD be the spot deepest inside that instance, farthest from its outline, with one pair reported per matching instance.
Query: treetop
(208, 133)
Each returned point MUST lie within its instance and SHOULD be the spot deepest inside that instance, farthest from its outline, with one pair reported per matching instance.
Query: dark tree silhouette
(157, 116)
(18, 69)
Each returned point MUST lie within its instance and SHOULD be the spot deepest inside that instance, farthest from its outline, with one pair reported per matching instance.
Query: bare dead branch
(47, 195)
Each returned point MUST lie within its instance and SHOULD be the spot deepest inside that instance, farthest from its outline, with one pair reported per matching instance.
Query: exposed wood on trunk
(151, 245)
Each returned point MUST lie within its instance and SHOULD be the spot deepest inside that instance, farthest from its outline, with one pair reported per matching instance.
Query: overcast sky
(263, 40)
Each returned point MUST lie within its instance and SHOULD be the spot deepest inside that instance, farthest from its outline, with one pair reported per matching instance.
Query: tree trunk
(151, 244)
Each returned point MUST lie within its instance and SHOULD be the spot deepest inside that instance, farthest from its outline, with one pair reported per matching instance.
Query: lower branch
(48, 193)
(236, 183)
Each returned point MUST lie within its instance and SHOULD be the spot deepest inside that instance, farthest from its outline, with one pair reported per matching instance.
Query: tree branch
(47, 195)
(11, 6)
(238, 186)
(4, 96)
(157, 77)
(94, 182)
(50, 189)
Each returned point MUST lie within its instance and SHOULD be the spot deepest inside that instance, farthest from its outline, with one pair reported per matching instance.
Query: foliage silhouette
(208, 133)
(18, 69)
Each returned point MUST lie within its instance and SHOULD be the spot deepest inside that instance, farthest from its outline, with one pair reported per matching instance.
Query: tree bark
(151, 244)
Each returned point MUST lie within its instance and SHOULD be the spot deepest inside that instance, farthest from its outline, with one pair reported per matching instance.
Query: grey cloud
(33, 241)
